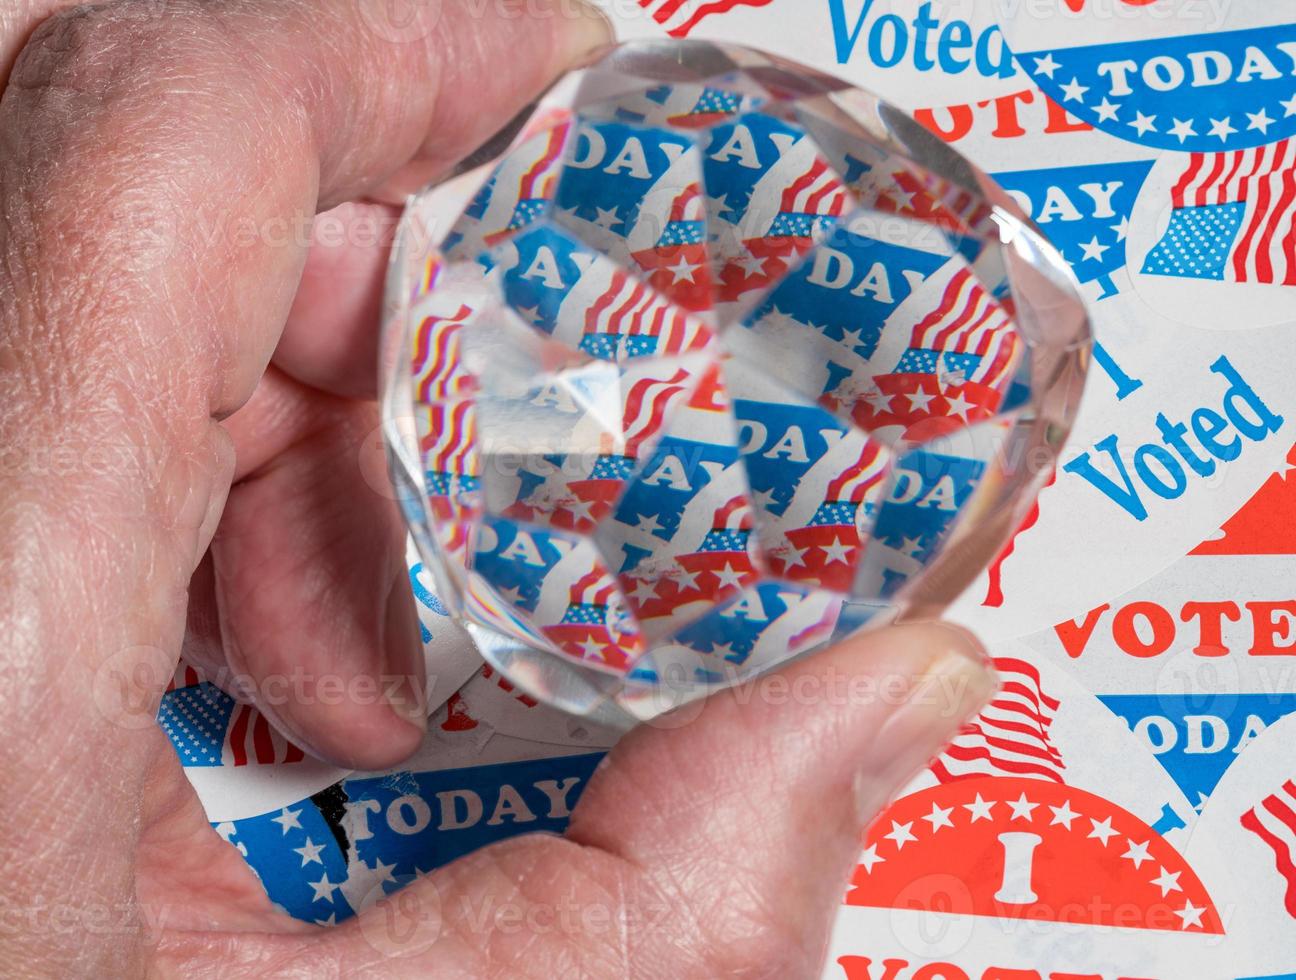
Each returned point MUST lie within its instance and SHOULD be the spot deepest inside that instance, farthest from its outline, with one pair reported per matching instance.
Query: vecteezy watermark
(128, 686)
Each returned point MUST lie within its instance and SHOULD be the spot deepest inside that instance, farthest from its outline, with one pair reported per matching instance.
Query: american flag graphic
(679, 17)
(1011, 735)
(207, 727)
(925, 197)
(1233, 218)
(819, 536)
(952, 369)
(764, 227)
(594, 629)
(1273, 820)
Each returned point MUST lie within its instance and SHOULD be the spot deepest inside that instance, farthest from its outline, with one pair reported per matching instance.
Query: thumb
(712, 845)
(748, 819)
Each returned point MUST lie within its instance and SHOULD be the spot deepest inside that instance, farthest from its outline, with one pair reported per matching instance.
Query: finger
(18, 18)
(331, 339)
(717, 845)
(316, 620)
(752, 822)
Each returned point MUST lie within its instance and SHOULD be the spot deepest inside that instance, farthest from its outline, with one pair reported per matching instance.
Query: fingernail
(940, 699)
(403, 686)
(585, 29)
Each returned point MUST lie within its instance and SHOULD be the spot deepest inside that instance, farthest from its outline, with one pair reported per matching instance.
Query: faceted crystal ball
(720, 361)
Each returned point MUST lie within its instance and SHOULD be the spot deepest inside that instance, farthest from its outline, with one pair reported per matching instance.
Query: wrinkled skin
(186, 376)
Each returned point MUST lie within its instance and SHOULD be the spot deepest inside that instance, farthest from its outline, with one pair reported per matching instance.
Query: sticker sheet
(1126, 805)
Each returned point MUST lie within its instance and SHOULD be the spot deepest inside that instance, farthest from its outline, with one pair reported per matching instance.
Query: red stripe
(816, 200)
(262, 742)
(1018, 666)
(1047, 754)
(945, 775)
(1203, 192)
(595, 312)
(1282, 856)
(1181, 188)
(718, 7)
(1282, 811)
(1264, 255)
(800, 184)
(964, 306)
(1243, 251)
(948, 299)
(557, 138)
(663, 12)
(238, 735)
(1222, 196)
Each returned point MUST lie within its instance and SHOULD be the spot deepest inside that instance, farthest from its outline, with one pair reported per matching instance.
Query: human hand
(185, 387)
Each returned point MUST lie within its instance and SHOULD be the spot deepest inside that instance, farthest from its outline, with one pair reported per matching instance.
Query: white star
(939, 818)
(1046, 65)
(383, 872)
(900, 834)
(324, 889)
(870, 857)
(591, 649)
(1144, 124)
(1063, 815)
(1138, 853)
(330, 921)
(644, 591)
(1022, 809)
(686, 580)
(1074, 91)
(287, 820)
(792, 555)
(918, 400)
(1221, 128)
(879, 399)
(1259, 120)
(1101, 831)
(729, 577)
(1191, 915)
(1182, 129)
(647, 524)
(715, 205)
(1093, 249)
(1106, 110)
(958, 405)
(581, 510)
(979, 808)
(835, 551)
(1121, 229)
(309, 853)
(1289, 107)
(512, 595)
(752, 266)
(852, 338)
(911, 547)
(724, 650)
(607, 219)
(1167, 882)
(530, 313)
(763, 498)
(683, 271)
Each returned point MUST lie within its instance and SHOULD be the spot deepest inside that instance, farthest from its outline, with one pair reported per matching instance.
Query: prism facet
(720, 361)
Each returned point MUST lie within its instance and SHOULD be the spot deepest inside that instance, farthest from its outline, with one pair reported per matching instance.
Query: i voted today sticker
(1192, 75)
